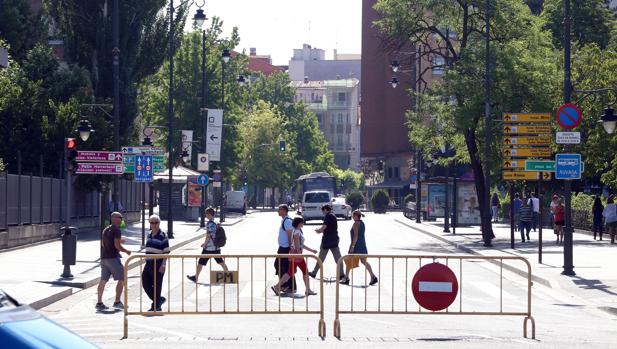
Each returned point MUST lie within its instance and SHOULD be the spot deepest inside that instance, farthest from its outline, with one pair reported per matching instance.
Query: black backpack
(220, 239)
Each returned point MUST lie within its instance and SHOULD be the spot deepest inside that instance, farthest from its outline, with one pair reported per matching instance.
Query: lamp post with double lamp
(200, 18)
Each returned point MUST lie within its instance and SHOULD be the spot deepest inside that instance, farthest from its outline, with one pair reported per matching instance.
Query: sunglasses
(154, 222)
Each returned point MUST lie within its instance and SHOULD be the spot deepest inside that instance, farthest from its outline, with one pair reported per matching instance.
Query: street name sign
(528, 129)
(513, 164)
(214, 134)
(143, 150)
(99, 156)
(568, 166)
(434, 286)
(569, 116)
(568, 138)
(143, 168)
(539, 140)
(510, 118)
(525, 176)
(540, 165)
(99, 168)
(527, 152)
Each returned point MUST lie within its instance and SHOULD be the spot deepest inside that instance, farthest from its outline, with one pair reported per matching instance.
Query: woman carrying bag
(358, 246)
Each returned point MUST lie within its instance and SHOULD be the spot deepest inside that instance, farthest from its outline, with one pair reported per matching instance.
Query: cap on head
(284, 207)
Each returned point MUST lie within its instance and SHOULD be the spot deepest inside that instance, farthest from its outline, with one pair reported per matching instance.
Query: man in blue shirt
(517, 203)
(281, 265)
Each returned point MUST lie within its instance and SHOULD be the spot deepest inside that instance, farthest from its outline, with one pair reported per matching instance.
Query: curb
(466, 249)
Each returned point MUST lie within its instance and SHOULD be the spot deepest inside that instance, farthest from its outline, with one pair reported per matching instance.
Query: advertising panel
(467, 205)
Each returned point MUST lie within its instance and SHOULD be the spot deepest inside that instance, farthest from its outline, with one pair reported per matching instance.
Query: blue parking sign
(143, 168)
(568, 166)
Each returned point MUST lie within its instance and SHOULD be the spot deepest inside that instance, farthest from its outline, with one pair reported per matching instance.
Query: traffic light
(70, 150)
(282, 146)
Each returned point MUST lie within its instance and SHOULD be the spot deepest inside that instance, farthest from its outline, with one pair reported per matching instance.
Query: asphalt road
(484, 287)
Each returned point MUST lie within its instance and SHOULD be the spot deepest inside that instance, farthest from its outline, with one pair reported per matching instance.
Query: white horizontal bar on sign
(432, 286)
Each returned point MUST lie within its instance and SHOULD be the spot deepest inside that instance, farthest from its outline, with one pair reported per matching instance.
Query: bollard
(69, 250)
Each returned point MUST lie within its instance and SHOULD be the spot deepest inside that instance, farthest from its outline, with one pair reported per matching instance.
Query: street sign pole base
(66, 274)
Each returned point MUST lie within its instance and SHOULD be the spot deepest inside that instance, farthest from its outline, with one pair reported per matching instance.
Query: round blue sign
(203, 180)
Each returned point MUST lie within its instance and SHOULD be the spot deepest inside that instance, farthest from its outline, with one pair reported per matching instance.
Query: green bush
(355, 200)
(582, 202)
(409, 198)
(380, 201)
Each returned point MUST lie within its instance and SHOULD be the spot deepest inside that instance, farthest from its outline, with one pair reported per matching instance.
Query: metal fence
(28, 199)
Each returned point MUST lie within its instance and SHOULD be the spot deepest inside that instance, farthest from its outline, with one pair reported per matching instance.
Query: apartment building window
(438, 63)
(319, 118)
(348, 118)
(339, 141)
(342, 97)
(397, 173)
(389, 172)
(340, 118)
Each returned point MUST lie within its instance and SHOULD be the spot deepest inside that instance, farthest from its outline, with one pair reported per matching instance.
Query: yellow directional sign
(527, 152)
(513, 164)
(529, 129)
(520, 176)
(538, 140)
(513, 118)
(525, 176)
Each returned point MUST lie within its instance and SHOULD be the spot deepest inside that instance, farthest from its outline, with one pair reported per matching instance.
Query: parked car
(236, 201)
(312, 201)
(340, 208)
(22, 327)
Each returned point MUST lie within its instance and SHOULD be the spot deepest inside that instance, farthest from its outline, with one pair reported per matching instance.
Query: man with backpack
(215, 239)
(281, 265)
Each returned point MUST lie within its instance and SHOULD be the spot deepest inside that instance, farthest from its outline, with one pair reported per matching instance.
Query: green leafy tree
(592, 21)
(348, 180)
(20, 27)
(525, 70)
(355, 200)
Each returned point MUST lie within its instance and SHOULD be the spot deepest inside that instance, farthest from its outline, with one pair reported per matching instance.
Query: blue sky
(276, 27)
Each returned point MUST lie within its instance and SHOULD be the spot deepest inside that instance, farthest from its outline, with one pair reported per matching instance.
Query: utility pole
(204, 111)
(568, 254)
(116, 77)
(222, 189)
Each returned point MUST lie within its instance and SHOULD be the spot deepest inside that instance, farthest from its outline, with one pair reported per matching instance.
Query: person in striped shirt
(152, 276)
(526, 217)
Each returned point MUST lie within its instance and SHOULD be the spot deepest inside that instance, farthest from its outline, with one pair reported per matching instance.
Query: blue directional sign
(568, 166)
(143, 168)
(203, 180)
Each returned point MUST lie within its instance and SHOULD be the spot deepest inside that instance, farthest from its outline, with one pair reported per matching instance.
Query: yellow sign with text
(527, 152)
(223, 277)
(528, 129)
(513, 118)
(525, 176)
(538, 140)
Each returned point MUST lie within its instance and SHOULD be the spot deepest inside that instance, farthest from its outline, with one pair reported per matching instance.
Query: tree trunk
(478, 174)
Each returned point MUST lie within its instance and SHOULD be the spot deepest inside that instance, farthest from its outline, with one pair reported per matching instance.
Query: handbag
(352, 262)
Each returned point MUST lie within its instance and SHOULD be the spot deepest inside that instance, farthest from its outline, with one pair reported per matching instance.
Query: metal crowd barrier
(250, 302)
(409, 307)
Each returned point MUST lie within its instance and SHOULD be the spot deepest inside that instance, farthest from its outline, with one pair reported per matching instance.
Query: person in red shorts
(297, 246)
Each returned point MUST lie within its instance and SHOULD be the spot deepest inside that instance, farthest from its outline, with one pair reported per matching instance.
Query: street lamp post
(116, 89)
(200, 18)
(446, 219)
(170, 122)
(487, 234)
(568, 253)
(225, 56)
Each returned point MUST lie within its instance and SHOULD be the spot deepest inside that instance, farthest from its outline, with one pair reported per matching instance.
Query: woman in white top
(610, 217)
(297, 246)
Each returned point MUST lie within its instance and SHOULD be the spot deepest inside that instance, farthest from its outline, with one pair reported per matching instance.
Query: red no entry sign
(434, 287)
(569, 116)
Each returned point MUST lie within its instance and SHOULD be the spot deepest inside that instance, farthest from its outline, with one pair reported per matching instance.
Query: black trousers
(281, 265)
(148, 282)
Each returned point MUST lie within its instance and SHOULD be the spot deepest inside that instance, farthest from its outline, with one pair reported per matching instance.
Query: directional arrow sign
(100, 168)
(511, 118)
(512, 164)
(158, 163)
(536, 165)
(539, 140)
(530, 129)
(527, 152)
(520, 176)
(98, 156)
(213, 137)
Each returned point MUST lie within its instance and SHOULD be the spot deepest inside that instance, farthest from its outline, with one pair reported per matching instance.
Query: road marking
(432, 286)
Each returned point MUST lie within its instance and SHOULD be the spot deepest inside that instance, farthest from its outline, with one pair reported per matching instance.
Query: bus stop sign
(434, 286)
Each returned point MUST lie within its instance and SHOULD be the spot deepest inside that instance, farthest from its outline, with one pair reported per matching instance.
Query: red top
(559, 214)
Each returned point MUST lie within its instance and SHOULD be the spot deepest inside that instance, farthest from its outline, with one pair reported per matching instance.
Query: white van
(236, 201)
(312, 201)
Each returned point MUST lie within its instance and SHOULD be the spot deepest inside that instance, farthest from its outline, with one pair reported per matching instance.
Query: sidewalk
(595, 262)
(32, 274)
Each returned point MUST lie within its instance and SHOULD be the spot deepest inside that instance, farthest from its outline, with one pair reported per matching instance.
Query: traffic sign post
(99, 168)
(569, 116)
(529, 130)
(143, 168)
(540, 165)
(527, 152)
(434, 286)
(99, 156)
(203, 180)
(157, 160)
(568, 138)
(214, 134)
(537, 140)
(527, 117)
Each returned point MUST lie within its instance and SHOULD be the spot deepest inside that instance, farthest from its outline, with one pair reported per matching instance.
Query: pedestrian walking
(111, 246)
(526, 217)
(329, 240)
(596, 211)
(297, 247)
(152, 275)
(535, 209)
(517, 203)
(358, 246)
(554, 204)
(560, 220)
(281, 265)
(495, 207)
(610, 217)
(210, 246)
